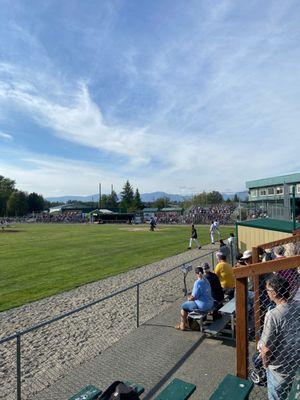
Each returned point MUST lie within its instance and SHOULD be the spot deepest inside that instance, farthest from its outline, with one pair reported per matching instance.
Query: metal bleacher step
(217, 326)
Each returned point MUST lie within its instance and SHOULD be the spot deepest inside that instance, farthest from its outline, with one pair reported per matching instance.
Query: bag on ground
(119, 391)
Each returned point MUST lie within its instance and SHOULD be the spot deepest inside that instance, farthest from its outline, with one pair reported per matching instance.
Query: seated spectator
(279, 251)
(200, 299)
(280, 340)
(216, 290)
(291, 274)
(246, 258)
(225, 274)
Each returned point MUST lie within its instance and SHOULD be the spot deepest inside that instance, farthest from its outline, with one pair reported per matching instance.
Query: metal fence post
(18, 366)
(137, 305)
(212, 260)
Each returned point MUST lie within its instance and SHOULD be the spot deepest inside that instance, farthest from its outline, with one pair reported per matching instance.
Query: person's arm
(265, 352)
(268, 338)
(193, 295)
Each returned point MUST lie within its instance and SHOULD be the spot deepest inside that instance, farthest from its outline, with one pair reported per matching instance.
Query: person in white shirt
(214, 227)
(232, 246)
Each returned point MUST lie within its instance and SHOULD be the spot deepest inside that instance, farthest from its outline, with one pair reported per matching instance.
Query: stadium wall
(255, 232)
(251, 237)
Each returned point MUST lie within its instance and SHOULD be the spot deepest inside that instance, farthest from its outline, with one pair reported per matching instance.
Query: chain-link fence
(36, 358)
(272, 320)
(264, 210)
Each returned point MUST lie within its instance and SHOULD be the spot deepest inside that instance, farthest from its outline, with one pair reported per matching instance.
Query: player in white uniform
(214, 227)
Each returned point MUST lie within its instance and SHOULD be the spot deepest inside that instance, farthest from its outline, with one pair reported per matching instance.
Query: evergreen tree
(137, 201)
(127, 197)
(236, 198)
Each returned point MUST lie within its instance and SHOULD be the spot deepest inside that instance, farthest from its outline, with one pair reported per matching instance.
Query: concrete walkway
(152, 356)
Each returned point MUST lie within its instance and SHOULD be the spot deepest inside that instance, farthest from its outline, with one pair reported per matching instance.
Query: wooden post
(241, 328)
(255, 260)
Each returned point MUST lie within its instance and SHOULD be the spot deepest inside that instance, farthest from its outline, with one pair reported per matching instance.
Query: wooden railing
(242, 274)
(255, 259)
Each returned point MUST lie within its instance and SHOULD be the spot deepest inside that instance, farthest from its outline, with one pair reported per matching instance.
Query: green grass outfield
(39, 260)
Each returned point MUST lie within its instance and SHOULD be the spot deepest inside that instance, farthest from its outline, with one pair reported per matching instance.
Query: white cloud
(7, 136)
(226, 93)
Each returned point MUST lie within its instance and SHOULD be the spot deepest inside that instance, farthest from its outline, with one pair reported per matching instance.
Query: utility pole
(99, 195)
(294, 208)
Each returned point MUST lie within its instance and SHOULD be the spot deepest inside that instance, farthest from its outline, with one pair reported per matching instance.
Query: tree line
(14, 202)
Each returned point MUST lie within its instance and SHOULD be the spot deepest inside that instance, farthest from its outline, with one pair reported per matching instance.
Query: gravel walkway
(50, 352)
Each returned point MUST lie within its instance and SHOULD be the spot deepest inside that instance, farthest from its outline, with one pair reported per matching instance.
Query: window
(279, 190)
(262, 192)
(298, 188)
(271, 191)
(253, 193)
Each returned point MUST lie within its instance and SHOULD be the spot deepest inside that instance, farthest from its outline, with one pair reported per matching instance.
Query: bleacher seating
(231, 388)
(177, 390)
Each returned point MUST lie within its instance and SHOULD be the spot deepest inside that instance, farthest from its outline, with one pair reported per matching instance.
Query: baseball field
(39, 260)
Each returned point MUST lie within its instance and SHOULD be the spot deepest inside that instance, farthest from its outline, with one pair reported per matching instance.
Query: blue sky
(179, 96)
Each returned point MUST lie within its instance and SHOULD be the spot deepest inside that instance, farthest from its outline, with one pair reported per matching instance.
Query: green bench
(177, 390)
(90, 392)
(231, 388)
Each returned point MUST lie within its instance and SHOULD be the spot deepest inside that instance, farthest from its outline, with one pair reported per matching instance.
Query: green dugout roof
(270, 224)
(166, 209)
(277, 180)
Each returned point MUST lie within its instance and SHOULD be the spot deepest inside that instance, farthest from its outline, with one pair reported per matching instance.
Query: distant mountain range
(241, 195)
(146, 197)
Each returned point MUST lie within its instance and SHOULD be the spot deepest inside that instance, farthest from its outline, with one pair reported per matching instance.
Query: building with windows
(273, 189)
(274, 211)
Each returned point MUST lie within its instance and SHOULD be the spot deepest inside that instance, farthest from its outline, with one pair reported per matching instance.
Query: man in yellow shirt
(225, 274)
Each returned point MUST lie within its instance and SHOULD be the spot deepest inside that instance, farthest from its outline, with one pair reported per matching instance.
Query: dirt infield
(140, 229)
(10, 230)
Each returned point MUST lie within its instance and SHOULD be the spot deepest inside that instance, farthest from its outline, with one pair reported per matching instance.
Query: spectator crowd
(205, 215)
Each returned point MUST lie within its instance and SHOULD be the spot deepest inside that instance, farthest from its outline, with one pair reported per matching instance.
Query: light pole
(99, 195)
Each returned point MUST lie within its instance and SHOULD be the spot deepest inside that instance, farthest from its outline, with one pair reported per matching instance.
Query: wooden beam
(291, 239)
(266, 267)
(255, 260)
(241, 328)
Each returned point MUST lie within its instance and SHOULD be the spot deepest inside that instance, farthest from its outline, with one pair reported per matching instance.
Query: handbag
(119, 391)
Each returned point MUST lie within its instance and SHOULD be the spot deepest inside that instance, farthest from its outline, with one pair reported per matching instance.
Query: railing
(254, 273)
(92, 323)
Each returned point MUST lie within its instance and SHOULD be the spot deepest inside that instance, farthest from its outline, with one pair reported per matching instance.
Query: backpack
(119, 391)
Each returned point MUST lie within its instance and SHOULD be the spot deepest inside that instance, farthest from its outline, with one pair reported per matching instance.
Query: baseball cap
(246, 254)
(205, 266)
